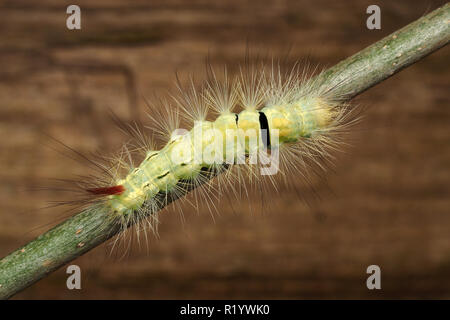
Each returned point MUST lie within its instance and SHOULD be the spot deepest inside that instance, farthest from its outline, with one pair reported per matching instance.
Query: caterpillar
(288, 122)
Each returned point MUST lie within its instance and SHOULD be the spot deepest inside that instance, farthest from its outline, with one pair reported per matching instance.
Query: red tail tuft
(107, 190)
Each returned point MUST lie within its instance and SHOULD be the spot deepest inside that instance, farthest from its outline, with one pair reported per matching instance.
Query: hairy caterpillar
(287, 123)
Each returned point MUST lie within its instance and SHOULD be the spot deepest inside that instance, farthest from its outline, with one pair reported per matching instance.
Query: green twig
(90, 228)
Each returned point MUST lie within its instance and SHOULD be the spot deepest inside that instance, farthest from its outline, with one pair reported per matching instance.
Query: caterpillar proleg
(286, 123)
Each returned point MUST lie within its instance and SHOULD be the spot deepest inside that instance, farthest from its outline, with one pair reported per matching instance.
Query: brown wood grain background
(387, 202)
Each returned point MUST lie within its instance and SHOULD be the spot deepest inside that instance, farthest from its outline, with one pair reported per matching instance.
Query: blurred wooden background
(390, 203)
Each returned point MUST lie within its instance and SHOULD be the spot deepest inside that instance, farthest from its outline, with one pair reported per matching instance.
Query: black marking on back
(264, 126)
(163, 175)
(151, 156)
